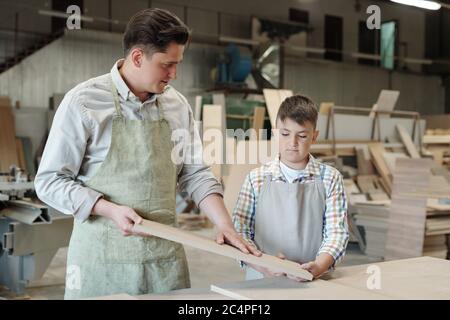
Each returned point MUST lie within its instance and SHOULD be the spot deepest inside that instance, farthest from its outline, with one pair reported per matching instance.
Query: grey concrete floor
(205, 269)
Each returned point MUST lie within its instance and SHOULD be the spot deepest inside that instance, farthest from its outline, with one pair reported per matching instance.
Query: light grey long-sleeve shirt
(80, 137)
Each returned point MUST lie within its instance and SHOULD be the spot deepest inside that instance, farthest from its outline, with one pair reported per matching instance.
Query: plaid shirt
(335, 228)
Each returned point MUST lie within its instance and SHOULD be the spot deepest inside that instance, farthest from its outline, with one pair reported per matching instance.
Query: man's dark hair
(299, 109)
(153, 30)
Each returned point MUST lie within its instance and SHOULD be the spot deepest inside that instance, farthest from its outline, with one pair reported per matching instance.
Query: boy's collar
(311, 169)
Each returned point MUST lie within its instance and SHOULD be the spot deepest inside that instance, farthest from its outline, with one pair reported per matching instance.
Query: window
(333, 38)
(368, 42)
(388, 44)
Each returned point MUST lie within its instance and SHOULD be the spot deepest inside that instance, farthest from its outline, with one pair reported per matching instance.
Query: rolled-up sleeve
(335, 229)
(56, 180)
(195, 177)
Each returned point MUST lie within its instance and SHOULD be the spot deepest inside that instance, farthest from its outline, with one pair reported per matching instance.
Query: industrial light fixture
(424, 4)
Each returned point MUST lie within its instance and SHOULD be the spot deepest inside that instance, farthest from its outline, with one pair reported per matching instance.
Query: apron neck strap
(160, 109)
(113, 90)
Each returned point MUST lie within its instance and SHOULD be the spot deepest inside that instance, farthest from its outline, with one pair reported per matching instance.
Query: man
(294, 206)
(108, 162)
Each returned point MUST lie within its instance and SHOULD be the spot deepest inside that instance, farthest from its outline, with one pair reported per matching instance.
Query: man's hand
(215, 209)
(124, 217)
(230, 236)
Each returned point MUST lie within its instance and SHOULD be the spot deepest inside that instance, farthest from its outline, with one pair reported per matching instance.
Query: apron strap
(116, 100)
(160, 110)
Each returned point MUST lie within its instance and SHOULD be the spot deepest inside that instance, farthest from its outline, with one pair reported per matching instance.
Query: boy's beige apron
(289, 220)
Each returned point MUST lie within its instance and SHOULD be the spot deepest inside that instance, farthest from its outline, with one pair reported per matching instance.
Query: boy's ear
(315, 136)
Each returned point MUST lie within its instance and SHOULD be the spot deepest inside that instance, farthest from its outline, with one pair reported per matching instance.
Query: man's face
(295, 140)
(158, 69)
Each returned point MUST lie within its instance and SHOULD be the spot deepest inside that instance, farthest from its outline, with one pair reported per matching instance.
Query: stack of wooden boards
(374, 219)
(378, 208)
(437, 142)
(413, 223)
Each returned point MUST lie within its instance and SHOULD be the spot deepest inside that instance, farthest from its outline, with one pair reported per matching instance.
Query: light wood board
(8, 149)
(274, 98)
(173, 234)
(416, 278)
(282, 288)
(233, 183)
(259, 114)
(407, 141)
(213, 119)
(376, 151)
(407, 213)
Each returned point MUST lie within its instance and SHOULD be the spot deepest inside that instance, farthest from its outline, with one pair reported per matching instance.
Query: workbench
(415, 278)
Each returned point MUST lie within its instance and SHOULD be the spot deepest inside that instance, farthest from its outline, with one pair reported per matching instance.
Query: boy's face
(295, 141)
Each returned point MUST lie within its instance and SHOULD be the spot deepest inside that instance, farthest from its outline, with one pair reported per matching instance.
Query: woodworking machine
(30, 235)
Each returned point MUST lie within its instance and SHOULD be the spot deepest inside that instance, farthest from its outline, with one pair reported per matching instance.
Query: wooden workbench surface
(416, 278)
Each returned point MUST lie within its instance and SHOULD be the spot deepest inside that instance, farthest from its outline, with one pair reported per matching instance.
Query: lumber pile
(420, 221)
(437, 143)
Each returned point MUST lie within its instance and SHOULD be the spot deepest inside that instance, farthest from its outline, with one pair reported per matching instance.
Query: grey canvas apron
(137, 172)
(289, 220)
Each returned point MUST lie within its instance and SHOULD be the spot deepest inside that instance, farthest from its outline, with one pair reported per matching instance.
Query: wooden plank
(417, 278)
(274, 98)
(363, 160)
(259, 114)
(282, 288)
(407, 213)
(325, 108)
(272, 103)
(173, 234)
(20, 154)
(386, 102)
(407, 141)
(283, 94)
(233, 183)
(8, 149)
(213, 120)
(376, 151)
(184, 294)
(368, 183)
(444, 139)
(391, 157)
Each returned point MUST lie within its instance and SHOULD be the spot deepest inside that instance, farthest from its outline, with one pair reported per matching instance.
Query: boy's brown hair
(300, 109)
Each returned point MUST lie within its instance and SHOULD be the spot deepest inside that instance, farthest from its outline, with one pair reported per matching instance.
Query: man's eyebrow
(173, 62)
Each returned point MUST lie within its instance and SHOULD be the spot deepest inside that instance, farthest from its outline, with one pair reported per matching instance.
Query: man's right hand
(124, 217)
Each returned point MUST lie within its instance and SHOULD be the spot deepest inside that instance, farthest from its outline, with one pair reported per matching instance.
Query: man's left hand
(230, 236)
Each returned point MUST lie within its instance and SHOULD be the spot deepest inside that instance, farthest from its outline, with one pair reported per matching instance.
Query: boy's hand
(318, 267)
(314, 268)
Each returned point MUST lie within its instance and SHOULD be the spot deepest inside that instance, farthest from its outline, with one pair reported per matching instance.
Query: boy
(294, 206)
